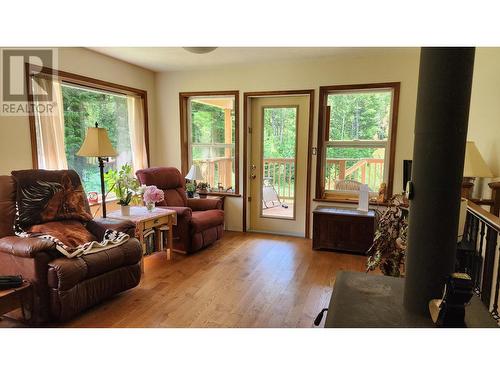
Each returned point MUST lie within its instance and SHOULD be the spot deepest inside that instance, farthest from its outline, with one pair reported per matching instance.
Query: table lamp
(97, 144)
(194, 174)
(474, 166)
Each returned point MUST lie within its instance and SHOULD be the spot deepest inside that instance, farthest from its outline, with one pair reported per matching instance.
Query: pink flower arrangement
(153, 195)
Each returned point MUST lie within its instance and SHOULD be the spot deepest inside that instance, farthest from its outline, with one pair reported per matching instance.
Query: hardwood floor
(244, 280)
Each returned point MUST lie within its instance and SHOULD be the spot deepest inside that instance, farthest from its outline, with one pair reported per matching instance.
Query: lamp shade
(474, 165)
(194, 173)
(97, 144)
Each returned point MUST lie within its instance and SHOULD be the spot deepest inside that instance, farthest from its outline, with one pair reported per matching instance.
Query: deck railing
(217, 170)
(478, 255)
(366, 171)
(281, 172)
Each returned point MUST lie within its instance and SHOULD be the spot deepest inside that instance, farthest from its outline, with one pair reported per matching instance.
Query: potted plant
(151, 196)
(123, 183)
(389, 245)
(203, 189)
(190, 189)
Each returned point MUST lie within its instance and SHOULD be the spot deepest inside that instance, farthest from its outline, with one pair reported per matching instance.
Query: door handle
(253, 167)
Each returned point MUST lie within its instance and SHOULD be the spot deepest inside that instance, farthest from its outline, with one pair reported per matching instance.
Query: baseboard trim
(299, 235)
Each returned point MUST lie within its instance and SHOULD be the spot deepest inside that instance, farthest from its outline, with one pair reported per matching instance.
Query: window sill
(100, 202)
(349, 201)
(222, 194)
(214, 194)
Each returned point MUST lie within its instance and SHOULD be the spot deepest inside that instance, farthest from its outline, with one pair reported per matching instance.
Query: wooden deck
(279, 211)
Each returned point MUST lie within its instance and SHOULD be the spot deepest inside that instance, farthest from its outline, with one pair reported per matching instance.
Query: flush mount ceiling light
(199, 50)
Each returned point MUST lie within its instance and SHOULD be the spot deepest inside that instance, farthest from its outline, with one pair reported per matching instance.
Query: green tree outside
(82, 108)
(353, 116)
(208, 136)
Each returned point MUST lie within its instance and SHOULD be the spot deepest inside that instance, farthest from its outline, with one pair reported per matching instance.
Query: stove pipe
(444, 88)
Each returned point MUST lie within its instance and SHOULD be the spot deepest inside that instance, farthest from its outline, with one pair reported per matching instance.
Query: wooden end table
(15, 298)
(145, 220)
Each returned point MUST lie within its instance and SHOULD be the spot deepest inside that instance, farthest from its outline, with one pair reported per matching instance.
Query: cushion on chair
(44, 196)
(162, 177)
(64, 273)
(203, 220)
(169, 180)
(174, 197)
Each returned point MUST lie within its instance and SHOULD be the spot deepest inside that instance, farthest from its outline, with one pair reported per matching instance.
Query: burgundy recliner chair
(200, 222)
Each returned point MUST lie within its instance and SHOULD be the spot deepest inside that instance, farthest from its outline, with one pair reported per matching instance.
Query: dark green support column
(444, 88)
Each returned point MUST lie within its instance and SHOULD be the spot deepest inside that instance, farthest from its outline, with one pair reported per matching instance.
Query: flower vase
(150, 206)
(125, 210)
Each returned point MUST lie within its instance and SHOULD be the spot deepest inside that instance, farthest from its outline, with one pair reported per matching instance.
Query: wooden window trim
(320, 171)
(183, 107)
(83, 81)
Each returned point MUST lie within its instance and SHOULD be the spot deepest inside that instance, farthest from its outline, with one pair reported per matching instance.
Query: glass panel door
(279, 149)
(277, 171)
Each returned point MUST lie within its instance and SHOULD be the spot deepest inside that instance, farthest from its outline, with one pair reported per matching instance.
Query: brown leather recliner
(64, 287)
(200, 222)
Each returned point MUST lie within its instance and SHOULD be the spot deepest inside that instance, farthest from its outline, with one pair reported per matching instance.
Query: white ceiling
(161, 59)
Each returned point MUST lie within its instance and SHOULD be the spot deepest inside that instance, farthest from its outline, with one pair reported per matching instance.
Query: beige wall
(484, 118)
(375, 66)
(15, 146)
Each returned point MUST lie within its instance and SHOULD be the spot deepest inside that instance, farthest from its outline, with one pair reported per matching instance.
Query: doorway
(278, 140)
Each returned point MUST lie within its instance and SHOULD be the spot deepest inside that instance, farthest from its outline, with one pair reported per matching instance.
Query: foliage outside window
(84, 107)
(211, 130)
(279, 149)
(355, 139)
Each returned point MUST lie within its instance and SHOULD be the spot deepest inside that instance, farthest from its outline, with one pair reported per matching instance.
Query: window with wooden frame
(81, 102)
(356, 139)
(210, 138)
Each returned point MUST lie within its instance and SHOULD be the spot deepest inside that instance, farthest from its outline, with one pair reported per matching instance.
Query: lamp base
(103, 191)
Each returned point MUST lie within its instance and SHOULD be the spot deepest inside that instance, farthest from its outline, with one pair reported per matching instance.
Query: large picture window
(80, 102)
(209, 129)
(356, 139)
(84, 107)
